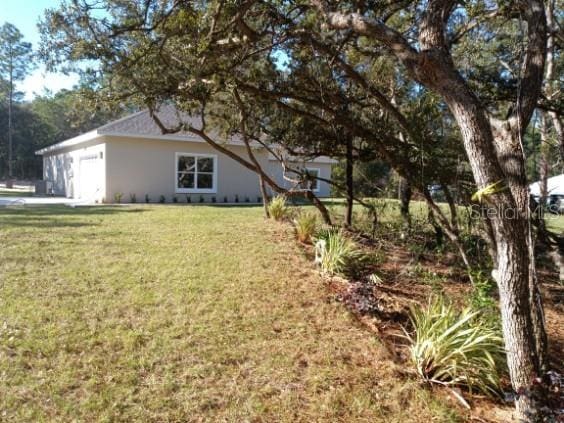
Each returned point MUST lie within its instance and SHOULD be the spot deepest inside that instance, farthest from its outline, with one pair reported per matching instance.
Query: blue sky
(24, 14)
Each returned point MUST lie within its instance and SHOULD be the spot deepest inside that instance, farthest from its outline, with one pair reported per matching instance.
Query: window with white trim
(196, 173)
(313, 184)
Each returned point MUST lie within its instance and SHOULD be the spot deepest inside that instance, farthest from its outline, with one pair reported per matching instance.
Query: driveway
(26, 201)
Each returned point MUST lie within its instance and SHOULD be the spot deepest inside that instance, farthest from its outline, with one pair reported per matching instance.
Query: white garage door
(89, 177)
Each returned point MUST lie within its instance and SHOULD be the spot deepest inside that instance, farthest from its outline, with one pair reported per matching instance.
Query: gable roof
(142, 125)
(138, 125)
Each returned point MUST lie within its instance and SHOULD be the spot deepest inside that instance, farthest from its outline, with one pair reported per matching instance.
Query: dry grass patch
(171, 313)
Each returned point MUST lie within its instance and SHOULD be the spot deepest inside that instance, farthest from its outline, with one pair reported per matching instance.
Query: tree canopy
(415, 84)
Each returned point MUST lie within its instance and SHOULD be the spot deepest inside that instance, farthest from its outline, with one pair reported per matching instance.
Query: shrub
(117, 197)
(247, 200)
(325, 231)
(277, 208)
(174, 199)
(132, 198)
(335, 253)
(162, 199)
(201, 198)
(147, 199)
(482, 298)
(454, 348)
(306, 225)
(225, 199)
(236, 198)
(259, 199)
(214, 200)
(188, 199)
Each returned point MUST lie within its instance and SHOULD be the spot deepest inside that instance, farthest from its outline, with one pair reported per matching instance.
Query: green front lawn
(175, 313)
(4, 192)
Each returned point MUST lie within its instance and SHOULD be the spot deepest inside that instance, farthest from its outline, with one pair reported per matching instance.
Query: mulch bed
(383, 307)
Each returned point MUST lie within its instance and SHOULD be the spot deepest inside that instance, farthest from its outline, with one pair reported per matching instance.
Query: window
(314, 173)
(196, 173)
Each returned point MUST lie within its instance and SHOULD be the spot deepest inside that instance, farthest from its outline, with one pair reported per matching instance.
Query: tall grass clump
(306, 226)
(335, 253)
(453, 348)
(277, 208)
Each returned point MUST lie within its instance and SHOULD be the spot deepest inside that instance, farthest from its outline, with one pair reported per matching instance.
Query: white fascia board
(167, 137)
(175, 137)
(88, 136)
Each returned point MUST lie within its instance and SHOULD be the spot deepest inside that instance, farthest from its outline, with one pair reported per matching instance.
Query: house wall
(324, 172)
(63, 170)
(143, 166)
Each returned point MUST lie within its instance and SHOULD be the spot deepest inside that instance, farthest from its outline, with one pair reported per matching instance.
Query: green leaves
(484, 193)
(277, 208)
(15, 54)
(335, 253)
(454, 348)
(306, 225)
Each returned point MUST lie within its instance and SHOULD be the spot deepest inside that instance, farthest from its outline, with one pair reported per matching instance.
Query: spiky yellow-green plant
(306, 226)
(455, 348)
(335, 253)
(277, 208)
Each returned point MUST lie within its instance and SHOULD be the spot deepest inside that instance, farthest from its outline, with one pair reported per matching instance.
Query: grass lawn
(15, 193)
(175, 313)
(390, 212)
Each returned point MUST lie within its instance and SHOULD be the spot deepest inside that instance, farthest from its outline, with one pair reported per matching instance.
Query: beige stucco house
(131, 157)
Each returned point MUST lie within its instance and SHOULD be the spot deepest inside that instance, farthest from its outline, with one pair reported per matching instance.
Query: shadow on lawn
(56, 216)
(9, 193)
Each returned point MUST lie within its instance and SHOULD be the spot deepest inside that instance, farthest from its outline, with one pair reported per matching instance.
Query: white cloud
(40, 79)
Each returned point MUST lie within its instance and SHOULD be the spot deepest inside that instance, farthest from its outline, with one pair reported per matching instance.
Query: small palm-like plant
(454, 348)
(335, 253)
(277, 208)
(306, 225)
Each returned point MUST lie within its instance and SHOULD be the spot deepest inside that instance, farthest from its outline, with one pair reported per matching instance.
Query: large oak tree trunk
(512, 161)
(522, 326)
(496, 162)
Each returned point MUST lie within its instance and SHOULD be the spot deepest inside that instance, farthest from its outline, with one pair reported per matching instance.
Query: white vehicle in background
(555, 193)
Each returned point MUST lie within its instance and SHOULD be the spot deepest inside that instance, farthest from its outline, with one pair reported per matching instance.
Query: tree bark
(10, 131)
(550, 90)
(543, 161)
(433, 67)
(264, 196)
(523, 327)
(404, 188)
(496, 156)
(349, 182)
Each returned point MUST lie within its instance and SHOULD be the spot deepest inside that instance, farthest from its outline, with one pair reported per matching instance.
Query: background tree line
(27, 126)
(45, 120)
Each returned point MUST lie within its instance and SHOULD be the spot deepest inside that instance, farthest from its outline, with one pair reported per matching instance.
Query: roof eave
(96, 133)
(88, 136)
